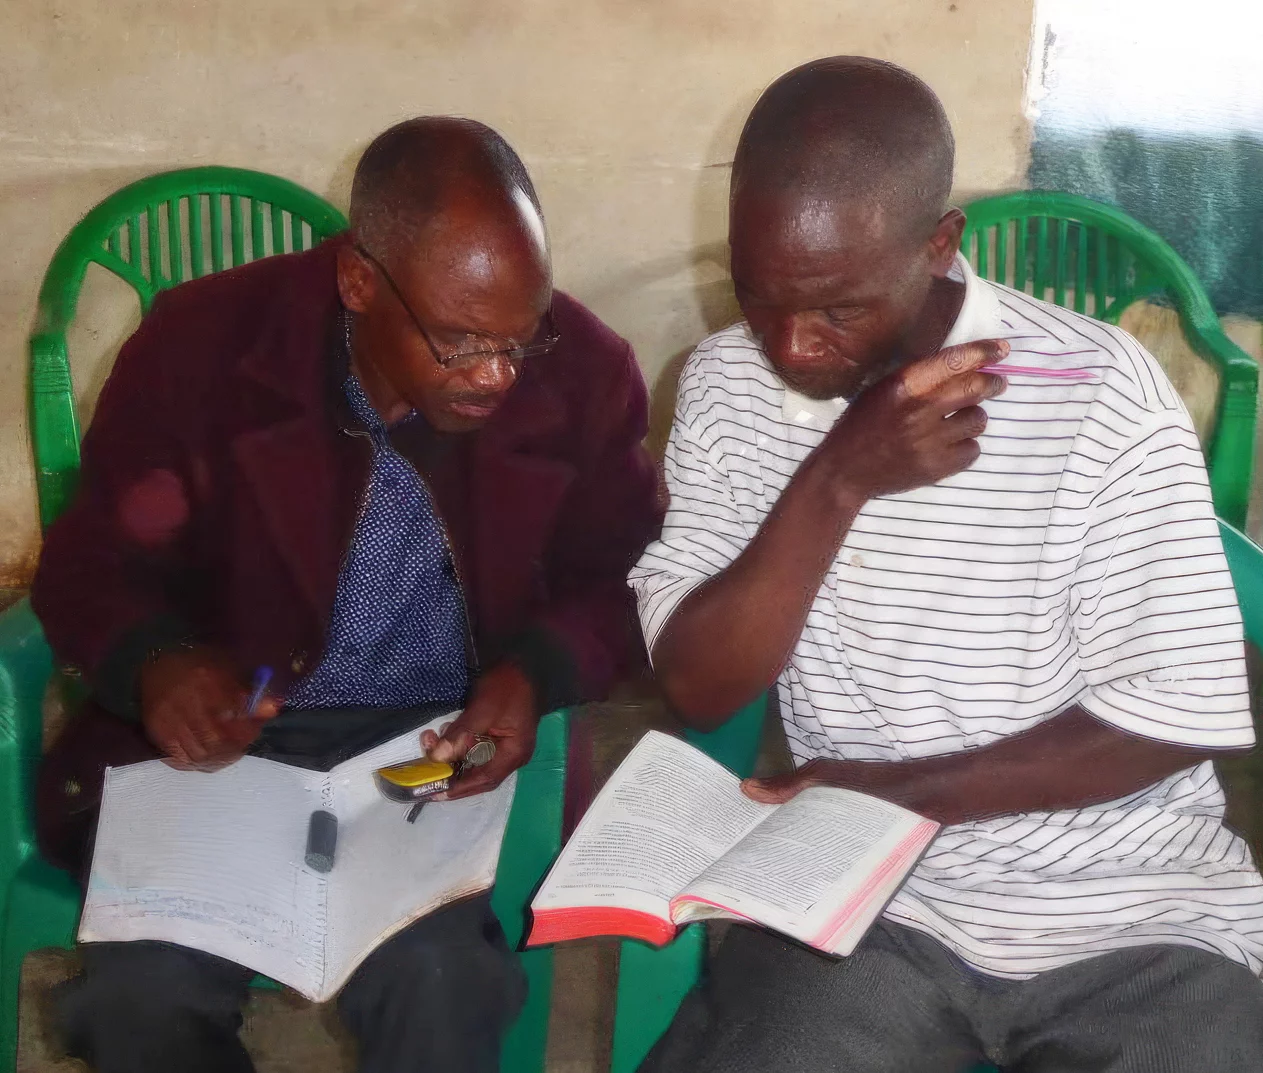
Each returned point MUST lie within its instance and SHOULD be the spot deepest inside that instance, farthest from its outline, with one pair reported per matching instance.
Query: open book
(217, 862)
(672, 839)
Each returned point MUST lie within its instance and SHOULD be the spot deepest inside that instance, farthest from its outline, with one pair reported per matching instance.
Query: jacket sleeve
(107, 588)
(588, 634)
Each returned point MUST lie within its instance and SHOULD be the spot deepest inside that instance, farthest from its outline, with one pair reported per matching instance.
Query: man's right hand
(918, 425)
(193, 704)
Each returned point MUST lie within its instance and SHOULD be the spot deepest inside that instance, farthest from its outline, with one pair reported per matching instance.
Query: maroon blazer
(222, 474)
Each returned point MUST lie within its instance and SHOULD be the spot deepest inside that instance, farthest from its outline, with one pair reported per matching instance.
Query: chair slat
(278, 229)
(1123, 261)
(1002, 253)
(1100, 290)
(1059, 269)
(175, 241)
(155, 243)
(1041, 257)
(1081, 269)
(114, 242)
(238, 230)
(1020, 254)
(133, 242)
(217, 232)
(295, 234)
(983, 238)
(197, 253)
(258, 244)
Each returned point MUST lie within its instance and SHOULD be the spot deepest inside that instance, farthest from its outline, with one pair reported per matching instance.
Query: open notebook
(672, 839)
(216, 862)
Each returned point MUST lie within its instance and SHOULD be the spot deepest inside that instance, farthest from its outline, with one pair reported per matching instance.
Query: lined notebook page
(213, 861)
(216, 861)
(390, 872)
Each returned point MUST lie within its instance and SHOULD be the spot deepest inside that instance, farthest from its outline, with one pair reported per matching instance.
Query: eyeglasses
(465, 359)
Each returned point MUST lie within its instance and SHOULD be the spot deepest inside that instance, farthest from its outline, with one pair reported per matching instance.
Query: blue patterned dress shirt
(397, 635)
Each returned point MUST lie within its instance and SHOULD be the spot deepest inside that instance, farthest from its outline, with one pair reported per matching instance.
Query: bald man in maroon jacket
(398, 470)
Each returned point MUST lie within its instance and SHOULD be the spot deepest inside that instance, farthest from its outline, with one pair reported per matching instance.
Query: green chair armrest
(1231, 456)
(54, 424)
(532, 841)
(25, 667)
(652, 983)
(533, 837)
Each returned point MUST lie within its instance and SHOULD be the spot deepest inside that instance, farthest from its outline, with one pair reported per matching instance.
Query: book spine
(562, 925)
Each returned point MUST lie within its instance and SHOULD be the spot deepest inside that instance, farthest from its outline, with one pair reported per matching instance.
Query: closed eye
(842, 316)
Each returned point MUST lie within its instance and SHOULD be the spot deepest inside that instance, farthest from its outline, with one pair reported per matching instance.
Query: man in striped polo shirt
(998, 600)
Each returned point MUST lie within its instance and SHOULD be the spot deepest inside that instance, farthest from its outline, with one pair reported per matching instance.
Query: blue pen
(261, 679)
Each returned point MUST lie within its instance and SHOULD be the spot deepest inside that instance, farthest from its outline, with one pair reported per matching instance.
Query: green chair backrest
(1097, 260)
(153, 234)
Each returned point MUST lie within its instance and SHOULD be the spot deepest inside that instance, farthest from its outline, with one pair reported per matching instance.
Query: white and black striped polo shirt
(1077, 561)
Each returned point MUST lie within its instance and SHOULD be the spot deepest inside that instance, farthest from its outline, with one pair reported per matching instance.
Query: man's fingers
(240, 734)
(186, 748)
(969, 390)
(487, 776)
(959, 456)
(477, 781)
(966, 424)
(927, 375)
(207, 725)
(269, 707)
(454, 743)
(777, 789)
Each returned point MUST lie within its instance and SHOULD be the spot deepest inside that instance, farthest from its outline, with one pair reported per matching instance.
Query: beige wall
(626, 112)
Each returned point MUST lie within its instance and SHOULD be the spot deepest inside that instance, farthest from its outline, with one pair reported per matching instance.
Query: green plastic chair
(39, 904)
(653, 982)
(153, 234)
(1097, 260)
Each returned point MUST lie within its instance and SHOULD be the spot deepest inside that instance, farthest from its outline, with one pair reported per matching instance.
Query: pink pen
(1080, 375)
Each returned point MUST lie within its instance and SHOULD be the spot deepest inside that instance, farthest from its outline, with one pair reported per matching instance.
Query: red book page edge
(579, 922)
(912, 846)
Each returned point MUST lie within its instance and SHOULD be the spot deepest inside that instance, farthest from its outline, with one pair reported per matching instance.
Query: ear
(357, 282)
(945, 242)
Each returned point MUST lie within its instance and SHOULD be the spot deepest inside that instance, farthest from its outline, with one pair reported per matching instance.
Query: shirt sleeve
(1155, 613)
(702, 534)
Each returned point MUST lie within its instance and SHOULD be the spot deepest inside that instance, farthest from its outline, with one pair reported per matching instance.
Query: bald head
(449, 262)
(841, 237)
(850, 130)
(413, 174)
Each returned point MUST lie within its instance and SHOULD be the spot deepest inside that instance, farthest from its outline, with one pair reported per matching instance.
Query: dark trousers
(904, 1003)
(437, 997)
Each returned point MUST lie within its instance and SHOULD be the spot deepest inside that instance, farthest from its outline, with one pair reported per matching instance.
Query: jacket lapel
(302, 468)
(516, 498)
(307, 497)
